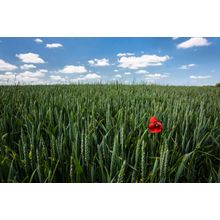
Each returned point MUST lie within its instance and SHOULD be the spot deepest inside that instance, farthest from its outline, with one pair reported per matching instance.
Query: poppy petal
(151, 126)
(153, 119)
(159, 124)
(156, 130)
(155, 127)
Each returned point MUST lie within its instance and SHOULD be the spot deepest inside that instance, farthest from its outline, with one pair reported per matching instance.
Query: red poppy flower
(155, 126)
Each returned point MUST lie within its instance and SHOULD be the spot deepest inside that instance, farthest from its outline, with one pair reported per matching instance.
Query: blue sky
(172, 61)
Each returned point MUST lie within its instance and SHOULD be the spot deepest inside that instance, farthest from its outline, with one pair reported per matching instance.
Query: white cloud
(127, 73)
(142, 61)
(4, 66)
(54, 45)
(30, 58)
(187, 66)
(36, 74)
(118, 76)
(27, 66)
(73, 69)
(29, 77)
(7, 76)
(10, 78)
(194, 42)
(57, 78)
(26, 77)
(200, 77)
(9, 73)
(156, 76)
(91, 62)
(38, 40)
(99, 62)
(88, 77)
(43, 71)
(92, 76)
(116, 70)
(124, 54)
(141, 71)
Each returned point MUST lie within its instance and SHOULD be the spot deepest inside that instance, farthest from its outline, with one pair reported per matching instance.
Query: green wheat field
(99, 134)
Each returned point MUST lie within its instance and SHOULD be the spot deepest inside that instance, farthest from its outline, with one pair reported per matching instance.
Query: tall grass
(98, 133)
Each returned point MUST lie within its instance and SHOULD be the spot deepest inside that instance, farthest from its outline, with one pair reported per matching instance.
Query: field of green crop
(98, 133)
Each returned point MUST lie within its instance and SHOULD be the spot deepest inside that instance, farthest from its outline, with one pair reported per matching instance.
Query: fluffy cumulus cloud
(91, 77)
(141, 72)
(143, 61)
(54, 45)
(4, 66)
(7, 78)
(29, 74)
(127, 73)
(30, 58)
(27, 66)
(99, 62)
(124, 54)
(156, 76)
(73, 69)
(26, 77)
(187, 66)
(200, 77)
(43, 71)
(194, 42)
(38, 40)
(28, 80)
(118, 76)
(57, 78)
